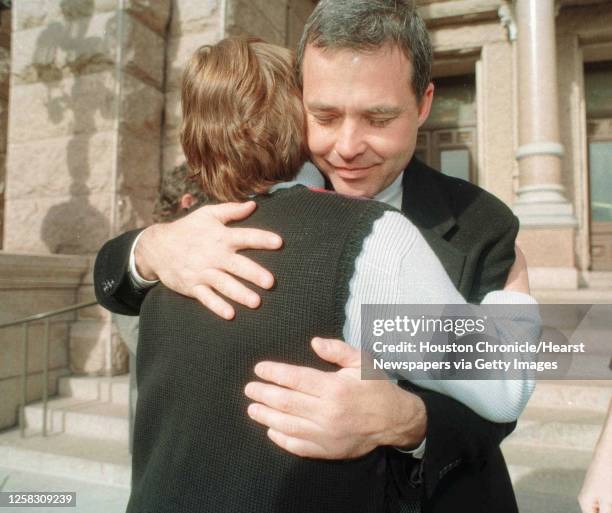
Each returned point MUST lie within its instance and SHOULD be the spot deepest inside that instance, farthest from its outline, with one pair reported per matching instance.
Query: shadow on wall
(75, 226)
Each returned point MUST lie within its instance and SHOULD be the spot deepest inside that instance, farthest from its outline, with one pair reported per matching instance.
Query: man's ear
(187, 201)
(425, 104)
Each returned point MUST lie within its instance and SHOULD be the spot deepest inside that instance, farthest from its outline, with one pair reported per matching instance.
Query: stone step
(545, 470)
(86, 459)
(598, 279)
(586, 395)
(113, 390)
(534, 502)
(573, 296)
(92, 419)
(552, 429)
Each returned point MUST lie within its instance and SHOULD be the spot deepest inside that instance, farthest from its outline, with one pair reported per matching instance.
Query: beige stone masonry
(5, 67)
(467, 37)
(459, 11)
(496, 120)
(253, 18)
(195, 16)
(32, 284)
(64, 108)
(62, 224)
(36, 13)
(85, 46)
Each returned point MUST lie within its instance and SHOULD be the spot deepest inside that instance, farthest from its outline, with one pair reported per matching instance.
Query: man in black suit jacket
(363, 116)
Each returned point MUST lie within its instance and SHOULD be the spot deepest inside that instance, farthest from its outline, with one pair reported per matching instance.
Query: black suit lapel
(425, 204)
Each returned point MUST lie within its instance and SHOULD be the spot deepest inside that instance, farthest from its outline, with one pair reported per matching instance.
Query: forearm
(408, 424)
(113, 288)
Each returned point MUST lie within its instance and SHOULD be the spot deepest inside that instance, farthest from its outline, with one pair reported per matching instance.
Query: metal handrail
(25, 322)
(44, 315)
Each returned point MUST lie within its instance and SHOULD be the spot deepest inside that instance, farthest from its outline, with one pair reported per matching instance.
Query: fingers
(231, 288)
(302, 379)
(213, 302)
(337, 351)
(303, 448)
(282, 422)
(228, 212)
(282, 399)
(252, 238)
(248, 270)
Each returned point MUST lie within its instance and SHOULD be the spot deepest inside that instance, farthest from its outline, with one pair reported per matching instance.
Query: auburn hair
(243, 126)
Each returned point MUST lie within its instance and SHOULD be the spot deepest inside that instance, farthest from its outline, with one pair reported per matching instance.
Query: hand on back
(197, 256)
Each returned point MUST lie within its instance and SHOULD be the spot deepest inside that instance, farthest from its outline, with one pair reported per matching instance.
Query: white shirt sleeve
(138, 281)
(397, 266)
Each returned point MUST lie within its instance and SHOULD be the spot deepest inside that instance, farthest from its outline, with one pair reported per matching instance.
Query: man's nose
(349, 142)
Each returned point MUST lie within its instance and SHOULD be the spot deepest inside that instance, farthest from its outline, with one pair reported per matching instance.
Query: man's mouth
(352, 173)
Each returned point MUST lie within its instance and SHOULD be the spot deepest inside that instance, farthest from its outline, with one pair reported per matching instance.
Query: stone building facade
(90, 111)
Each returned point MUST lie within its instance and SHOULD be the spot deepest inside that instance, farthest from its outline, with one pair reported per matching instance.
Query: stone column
(85, 127)
(84, 149)
(546, 216)
(5, 66)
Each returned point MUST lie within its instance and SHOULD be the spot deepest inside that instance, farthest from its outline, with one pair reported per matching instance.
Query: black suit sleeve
(457, 436)
(495, 263)
(112, 284)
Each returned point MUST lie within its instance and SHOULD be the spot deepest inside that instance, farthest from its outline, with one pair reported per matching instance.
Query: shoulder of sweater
(392, 237)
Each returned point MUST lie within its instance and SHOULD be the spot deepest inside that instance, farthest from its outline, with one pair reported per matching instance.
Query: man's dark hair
(174, 185)
(366, 25)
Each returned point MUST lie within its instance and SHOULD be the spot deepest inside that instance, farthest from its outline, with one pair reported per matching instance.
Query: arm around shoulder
(114, 289)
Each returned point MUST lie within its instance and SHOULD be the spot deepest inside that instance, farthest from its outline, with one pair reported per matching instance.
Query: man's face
(362, 116)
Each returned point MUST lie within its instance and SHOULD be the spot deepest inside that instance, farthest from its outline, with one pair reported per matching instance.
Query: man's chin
(354, 190)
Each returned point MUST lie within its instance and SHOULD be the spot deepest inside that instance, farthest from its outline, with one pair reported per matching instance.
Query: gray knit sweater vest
(195, 448)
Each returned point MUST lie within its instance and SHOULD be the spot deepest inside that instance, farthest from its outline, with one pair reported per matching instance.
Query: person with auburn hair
(195, 448)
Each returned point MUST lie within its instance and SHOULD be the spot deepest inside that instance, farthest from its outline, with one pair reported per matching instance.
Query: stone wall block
(244, 18)
(194, 16)
(135, 211)
(139, 161)
(10, 391)
(88, 349)
(83, 105)
(302, 9)
(141, 108)
(5, 71)
(152, 13)
(173, 156)
(144, 52)
(72, 165)
(12, 348)
(85, 294)
(72, 105)
(19, 305)
(180, 50)
(274, 12)
(172, 118)
(65, 224)
(3, 125)
(87, 45)
(64, 49)
(36, 13)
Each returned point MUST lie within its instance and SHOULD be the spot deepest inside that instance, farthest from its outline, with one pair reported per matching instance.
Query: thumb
(227, 212)
(336, 351)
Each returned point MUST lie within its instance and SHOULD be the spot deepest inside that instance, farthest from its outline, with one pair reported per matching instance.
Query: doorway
(598, 89)
(447, 141)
